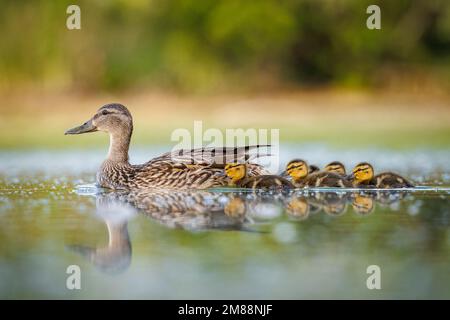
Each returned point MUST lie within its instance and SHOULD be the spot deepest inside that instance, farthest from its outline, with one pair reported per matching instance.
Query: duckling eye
(105, 112)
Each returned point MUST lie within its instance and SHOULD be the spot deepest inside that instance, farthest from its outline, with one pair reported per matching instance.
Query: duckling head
(236, 171)
(313, 169)
(297, 169)
(336, 167)
(362, 172)
(112, 118)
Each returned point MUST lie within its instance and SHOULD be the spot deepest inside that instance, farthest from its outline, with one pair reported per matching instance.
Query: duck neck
(119, 143)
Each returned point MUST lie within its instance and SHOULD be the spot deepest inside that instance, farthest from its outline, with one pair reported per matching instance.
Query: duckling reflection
(298, 208)
(115, 257)
(190, 210)
(387, 198)
(363, 204)
(332, 203)
(302, 204)
(235, 208)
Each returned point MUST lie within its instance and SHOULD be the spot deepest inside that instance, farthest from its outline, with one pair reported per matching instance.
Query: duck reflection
(115, 257)
(298, 208)
(203, 210)
(363, 204)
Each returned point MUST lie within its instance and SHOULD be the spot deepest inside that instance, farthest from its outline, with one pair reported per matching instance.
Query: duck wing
(214, 156)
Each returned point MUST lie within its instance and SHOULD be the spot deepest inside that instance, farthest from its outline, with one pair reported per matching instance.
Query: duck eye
(104, 112)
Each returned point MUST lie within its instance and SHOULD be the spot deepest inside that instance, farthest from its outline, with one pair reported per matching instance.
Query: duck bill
(84, 128)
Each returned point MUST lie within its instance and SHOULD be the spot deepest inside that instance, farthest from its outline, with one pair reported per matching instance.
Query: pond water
(222, 244)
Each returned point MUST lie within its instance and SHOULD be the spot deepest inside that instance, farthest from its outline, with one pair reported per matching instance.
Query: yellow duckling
(336, 167)
(237, 173)
(363, 176)
(299, 171)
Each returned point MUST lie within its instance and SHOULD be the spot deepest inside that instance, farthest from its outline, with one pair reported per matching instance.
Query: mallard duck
(336, 167)
(200, 168)
(299, 171)
(237, 173)
(363, 176)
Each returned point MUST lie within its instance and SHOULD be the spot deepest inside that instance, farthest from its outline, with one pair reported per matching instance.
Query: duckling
(299, 171)
(336, 167)
(363, 175)
(237, 173)
(312, 169)
(180, 169)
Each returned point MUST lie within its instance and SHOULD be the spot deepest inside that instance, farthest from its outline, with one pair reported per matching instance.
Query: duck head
(336, 167)
(112, 118)
(297, 169)
(236, 171)
(363, 172)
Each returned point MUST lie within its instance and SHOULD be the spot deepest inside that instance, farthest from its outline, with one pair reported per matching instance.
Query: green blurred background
(309, 67)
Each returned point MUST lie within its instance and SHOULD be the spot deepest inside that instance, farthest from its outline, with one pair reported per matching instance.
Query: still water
(222, 244)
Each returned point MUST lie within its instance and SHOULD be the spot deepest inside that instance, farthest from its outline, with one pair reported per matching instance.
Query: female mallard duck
(301, 177)
(181, 169)
(363, 176)
(336, 167)
(237, 173)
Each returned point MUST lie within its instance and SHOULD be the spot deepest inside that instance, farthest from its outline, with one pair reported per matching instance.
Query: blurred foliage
(206, 45)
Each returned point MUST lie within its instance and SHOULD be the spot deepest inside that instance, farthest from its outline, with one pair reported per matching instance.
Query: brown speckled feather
(391, 180)
(164, 172)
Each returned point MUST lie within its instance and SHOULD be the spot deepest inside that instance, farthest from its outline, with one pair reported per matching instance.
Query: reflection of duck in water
(298, 208)
(191, 210)
(363, 204)
(115, 257)
(332, 203)
(180, 169)
(389, 197)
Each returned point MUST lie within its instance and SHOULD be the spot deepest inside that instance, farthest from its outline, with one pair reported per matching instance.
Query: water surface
(222, 244)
